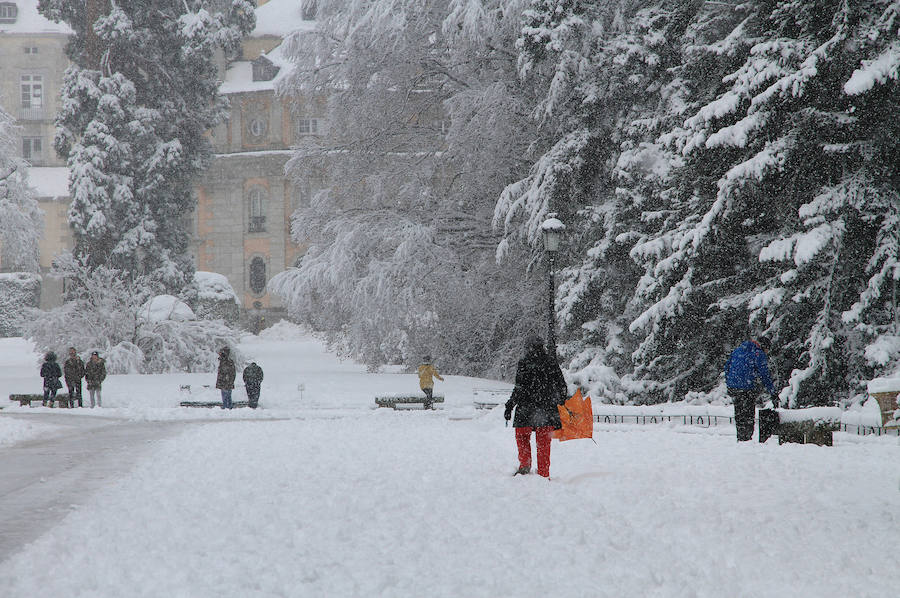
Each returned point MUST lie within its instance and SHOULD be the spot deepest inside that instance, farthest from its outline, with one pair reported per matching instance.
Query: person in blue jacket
(746, 370)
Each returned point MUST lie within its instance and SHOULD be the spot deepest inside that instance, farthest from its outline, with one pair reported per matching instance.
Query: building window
(263, 69)
(258, 275)
(32, 91)
(308, 126)
(8, 12)
(256, 200)
(257, 127)
(30, 49)
(32, 149)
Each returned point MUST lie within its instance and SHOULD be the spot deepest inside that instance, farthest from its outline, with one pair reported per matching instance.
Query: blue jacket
(747, 366)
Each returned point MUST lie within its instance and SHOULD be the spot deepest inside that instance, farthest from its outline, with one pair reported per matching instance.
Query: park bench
(395, 400)
(28, 399)
(488, 398)
(211, 404)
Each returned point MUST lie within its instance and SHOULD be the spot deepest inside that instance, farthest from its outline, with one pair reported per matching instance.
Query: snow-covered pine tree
(21, 222)
(136, 104)
(425, 122)
(786, 207)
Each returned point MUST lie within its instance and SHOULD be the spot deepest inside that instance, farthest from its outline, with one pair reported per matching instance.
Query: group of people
(252, 375)
(74, 370)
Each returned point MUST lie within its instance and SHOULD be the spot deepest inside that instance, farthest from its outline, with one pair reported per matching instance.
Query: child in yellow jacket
(427, 374)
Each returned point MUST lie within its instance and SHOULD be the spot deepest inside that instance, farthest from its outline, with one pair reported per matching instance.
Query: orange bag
(577, 417)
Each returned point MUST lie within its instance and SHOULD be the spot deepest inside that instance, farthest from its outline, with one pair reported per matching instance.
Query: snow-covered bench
(211, 404)
(28, 399)
(405, 399)
(488, 398)
(814, 425)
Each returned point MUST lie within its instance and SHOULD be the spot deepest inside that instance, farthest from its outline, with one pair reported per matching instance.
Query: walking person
(225, 377)
(253, 376)
(73, 371)
(427, 374)
(94, 375)
(540, 388)
(746, 372)
(51, 374)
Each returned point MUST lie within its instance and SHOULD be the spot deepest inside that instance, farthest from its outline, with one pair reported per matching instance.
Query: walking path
(43, 479)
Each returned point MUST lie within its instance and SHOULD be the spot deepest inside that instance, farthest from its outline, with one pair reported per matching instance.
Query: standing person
(94, 375)
(427, 374)
(51, 373)
(253, 376)
(748, 367)
(73, 369)
(540, 388)
(225, 377)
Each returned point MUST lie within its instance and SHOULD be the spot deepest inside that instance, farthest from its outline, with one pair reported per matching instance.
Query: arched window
(258, 275)
(256, 202)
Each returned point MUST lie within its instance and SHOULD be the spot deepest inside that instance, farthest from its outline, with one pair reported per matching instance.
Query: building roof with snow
(24, 19)
(280, 18)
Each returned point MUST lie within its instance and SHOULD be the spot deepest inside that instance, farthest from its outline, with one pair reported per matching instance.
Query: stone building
(241, 224)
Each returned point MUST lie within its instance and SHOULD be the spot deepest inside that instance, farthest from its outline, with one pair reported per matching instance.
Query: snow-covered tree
(21, 221)
(426, 120)
(113, 313)
(136, 104)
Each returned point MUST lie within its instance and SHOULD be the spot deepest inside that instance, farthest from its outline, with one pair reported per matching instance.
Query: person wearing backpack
(540, 388)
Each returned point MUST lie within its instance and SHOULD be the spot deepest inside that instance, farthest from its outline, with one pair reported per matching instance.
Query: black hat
(95, 353)
(534, 341)
(765, 343)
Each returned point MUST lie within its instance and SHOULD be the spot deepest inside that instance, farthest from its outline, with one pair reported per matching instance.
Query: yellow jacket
(426, 371)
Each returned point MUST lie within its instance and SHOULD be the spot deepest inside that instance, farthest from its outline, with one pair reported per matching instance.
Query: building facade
(241, 223)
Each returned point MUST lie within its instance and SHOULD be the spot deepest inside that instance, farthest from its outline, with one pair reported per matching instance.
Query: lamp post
(552, 229)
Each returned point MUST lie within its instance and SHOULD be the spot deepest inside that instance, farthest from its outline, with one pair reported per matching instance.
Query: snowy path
(414, 504)
(46, 478)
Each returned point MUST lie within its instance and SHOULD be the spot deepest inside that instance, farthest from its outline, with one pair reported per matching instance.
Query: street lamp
(552, 229)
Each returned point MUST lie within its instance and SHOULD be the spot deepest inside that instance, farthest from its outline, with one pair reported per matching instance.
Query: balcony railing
(257, 224)
(32, 113)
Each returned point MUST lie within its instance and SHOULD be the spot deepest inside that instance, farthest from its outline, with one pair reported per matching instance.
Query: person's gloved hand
(507, 414)
(775, 401)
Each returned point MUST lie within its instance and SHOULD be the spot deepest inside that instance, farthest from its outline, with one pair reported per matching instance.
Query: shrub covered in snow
(213, 298)
(135, 330)
(18, 291)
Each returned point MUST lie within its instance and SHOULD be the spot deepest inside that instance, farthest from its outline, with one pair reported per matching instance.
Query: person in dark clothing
(225, 377)
(253, 377)
(540, 388)
(73, 371)
(94, 375)
(748, 368)
(51, 374)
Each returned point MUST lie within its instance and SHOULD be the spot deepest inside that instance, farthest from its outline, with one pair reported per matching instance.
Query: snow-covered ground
(318, 494)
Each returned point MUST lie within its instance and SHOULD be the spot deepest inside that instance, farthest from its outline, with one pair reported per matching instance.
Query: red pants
(542, 440)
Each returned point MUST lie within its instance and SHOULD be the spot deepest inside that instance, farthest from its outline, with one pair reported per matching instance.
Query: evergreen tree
(136, 105)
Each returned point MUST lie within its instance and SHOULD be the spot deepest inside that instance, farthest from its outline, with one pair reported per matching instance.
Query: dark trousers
(74, 393)
(252, 396)
(744, 412)
(428, 396)
(49, 395)
(226, 398)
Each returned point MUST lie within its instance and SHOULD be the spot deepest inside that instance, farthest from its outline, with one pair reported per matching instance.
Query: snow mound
(283, 331)
(215, 287)
(167, 307)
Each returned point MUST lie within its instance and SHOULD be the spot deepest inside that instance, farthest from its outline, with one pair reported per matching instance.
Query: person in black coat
(51, 373)
(253, 376)
(540, 388)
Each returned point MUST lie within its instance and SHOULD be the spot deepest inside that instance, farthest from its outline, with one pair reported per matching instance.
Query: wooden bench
(211, 404)
(28, 399)
(394, 400)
